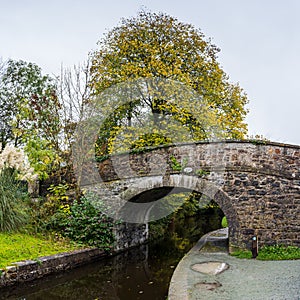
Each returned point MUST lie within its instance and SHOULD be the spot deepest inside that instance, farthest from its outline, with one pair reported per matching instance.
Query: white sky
(259, 41)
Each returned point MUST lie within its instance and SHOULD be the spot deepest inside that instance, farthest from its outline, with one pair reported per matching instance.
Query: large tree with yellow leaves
(154, 46)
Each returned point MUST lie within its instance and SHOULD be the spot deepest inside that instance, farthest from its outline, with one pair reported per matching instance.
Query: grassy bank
(276, 252)
(16, 246)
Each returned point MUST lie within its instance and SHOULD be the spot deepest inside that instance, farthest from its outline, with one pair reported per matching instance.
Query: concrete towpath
(217, 275)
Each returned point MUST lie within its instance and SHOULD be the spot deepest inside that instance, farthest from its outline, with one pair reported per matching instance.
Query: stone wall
(130, 235)
(33, 269)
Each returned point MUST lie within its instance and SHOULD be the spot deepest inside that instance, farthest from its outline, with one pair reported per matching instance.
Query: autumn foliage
(155, 45)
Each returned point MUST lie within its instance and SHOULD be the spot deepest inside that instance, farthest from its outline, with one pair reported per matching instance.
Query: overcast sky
(259, 42)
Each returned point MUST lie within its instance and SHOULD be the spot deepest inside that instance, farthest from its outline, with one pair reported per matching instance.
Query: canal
(140, 273)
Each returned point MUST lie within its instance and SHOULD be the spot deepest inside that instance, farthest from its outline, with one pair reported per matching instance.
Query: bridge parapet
(264, 158)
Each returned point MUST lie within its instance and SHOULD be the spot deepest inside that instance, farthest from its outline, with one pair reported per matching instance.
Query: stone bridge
(256, 184)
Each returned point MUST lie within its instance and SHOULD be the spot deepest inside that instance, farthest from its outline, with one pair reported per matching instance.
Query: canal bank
(140, 273)
(211, 273)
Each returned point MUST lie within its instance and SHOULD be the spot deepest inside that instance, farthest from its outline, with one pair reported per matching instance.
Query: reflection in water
(141, 273)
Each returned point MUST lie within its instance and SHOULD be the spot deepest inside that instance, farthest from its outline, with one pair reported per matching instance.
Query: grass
(276, 252)
(279, 252)
(18, 246)
(242, 254)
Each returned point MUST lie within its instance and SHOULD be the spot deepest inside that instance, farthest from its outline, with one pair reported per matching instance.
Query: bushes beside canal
(57, 222)
(85, 224)
(56, 227)
(59, 208)
(81, 219)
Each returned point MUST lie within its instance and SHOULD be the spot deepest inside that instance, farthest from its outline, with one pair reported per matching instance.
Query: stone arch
(256, 184)
(188, 183)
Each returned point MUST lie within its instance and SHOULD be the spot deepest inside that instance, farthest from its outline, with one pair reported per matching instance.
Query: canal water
(141, 273)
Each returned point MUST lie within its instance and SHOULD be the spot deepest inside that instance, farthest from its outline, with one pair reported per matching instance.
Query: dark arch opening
(182, 228)
(156, 194)
(187, 183)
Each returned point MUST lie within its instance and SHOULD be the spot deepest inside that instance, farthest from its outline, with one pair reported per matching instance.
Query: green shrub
(224, 222)
(84, 223)
(13, 210)
(202, 173)
(45, 214)
(176, 165)
(279, 252)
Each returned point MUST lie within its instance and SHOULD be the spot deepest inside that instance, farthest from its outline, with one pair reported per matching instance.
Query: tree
(28, 104)
(5, 112)
(73, 91)
(29, 111)
(154, 46)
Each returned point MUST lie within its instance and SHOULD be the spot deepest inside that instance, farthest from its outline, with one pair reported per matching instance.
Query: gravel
(248, 279)
(245, 279)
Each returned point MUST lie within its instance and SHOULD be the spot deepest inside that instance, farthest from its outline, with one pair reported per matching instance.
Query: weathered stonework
(28, 270)
(256, 185)
(130, 235)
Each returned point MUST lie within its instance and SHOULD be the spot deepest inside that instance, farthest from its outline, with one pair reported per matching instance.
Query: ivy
(202, 173)
(176, 165)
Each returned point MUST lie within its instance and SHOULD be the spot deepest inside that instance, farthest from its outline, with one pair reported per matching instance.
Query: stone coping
(256, 142)
(28, 270)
